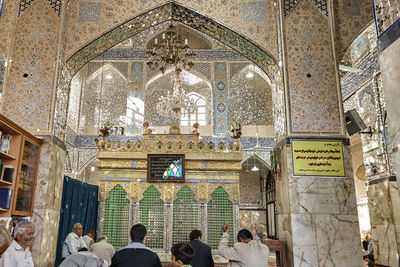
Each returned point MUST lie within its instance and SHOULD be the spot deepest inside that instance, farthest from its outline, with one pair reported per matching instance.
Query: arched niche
(161, 84)
(250, 97)
(108, 86)
(173, 12)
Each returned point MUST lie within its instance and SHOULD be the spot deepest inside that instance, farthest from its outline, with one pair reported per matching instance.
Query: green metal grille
(151, 214)
(219, 210)
(185, 215)
(116, 217)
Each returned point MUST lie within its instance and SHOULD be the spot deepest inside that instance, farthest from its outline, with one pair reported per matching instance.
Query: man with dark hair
(246, 253)
(136, 253)
(202, 256)
(181, 253)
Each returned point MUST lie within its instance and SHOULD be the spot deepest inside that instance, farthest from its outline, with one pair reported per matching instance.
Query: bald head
(77, 229)
(5, 239)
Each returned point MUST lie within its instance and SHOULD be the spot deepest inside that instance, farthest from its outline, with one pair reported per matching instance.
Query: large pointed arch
(167, 12)
(177, 13)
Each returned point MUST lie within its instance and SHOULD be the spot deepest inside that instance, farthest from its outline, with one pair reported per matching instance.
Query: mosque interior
(263, 136)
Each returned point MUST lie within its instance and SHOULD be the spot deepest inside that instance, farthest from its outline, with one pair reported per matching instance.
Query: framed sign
(166, 168)
(318, 158)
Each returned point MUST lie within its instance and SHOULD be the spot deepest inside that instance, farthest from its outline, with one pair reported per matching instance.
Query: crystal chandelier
(177, 101)
(171, 50)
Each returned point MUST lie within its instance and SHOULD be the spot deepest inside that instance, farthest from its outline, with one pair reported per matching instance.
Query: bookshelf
(19, 157)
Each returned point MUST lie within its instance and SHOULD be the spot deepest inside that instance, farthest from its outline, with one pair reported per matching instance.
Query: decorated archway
(167, 12)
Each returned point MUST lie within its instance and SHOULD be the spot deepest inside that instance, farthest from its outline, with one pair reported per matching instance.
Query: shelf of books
(19, 159)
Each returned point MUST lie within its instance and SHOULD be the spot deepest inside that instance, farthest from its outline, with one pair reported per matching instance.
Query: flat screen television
(166, 168)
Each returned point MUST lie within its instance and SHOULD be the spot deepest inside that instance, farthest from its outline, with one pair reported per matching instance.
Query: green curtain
(78, 205)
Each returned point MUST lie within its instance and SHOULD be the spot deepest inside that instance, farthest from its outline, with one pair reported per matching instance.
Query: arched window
(199, 114)
(134, 114)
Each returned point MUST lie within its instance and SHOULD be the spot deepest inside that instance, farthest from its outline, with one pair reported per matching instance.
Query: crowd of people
(78, 250)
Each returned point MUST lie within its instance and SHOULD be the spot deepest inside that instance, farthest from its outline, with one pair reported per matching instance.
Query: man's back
(250, 254)
(135, 254)
(202, 254)
(103, 250)
(83, 258)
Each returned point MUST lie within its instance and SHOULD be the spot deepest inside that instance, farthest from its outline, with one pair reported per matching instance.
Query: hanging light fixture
(247, 166)
(255, 168)
(171, 50)
(177, 101)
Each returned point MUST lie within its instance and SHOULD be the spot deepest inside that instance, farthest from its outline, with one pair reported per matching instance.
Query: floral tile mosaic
(312, 83)
(30, 81)
(102, 16)
(351, 17)
(8, 14)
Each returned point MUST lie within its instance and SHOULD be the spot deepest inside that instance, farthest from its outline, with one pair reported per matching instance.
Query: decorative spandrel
(185, 215)
(151, 215)
(116, 217)
(219, 211)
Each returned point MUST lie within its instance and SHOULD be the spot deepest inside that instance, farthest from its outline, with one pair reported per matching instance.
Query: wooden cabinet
(19, 166)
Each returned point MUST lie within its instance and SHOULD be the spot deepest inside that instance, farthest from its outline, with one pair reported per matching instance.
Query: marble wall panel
(383, 203)
(391, 80)
(313, 95)
(332, 232)
(387, 12)
(312, 213)
(305, 247)
(47, 203)
(351, 17)
(384, 239)
(102, 16)
(27, 95)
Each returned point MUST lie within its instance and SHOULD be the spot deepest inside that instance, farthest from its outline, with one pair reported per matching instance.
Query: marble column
(390, 65)
(386, 227)
(317, 216)
(46, 210)
(383, 204)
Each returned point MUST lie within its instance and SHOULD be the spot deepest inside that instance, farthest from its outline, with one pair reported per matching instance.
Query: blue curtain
(78, 205)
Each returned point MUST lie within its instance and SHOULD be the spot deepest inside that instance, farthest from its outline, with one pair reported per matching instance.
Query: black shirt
(202, 254)
(135, 254)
